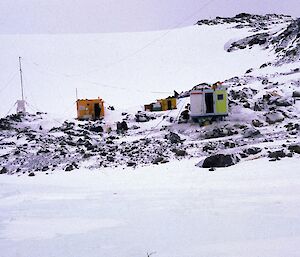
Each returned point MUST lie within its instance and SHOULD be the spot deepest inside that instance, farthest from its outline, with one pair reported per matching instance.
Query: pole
(76, 94)
(21, 78)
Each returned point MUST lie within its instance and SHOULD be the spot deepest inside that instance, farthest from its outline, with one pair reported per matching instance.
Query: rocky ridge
(277, 33)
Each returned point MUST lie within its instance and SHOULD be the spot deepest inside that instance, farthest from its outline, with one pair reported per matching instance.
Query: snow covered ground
(175, 209)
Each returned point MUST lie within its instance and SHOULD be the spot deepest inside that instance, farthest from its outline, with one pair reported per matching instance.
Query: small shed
(169, 103)
(90, 109)
(209, 101)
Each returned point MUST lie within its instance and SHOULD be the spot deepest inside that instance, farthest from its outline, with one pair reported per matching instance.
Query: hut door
(169, 105)
(97, 111)
(209, 102)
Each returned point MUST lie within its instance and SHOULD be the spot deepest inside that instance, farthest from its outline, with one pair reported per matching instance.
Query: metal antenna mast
(21, 78)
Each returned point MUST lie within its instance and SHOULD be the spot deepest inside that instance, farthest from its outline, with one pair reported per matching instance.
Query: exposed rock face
(285, 42)
(257, 39)
(220, 160)
(246, 20)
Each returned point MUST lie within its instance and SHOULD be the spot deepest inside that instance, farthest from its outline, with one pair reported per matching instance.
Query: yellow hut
(169, 103)
(90, 109)
(165, 104)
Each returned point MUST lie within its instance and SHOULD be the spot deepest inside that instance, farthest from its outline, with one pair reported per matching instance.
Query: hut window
(220, 97)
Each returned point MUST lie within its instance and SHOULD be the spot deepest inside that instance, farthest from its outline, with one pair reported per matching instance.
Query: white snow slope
(176, 209)
(127, 69)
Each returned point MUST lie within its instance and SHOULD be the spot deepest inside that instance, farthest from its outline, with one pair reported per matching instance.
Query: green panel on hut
(221, 102)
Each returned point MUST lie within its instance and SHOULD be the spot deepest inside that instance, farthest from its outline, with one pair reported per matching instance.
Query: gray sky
(88, 16)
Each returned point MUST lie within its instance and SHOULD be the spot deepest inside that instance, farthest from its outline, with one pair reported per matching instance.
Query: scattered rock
(31, 174)
(229, 144)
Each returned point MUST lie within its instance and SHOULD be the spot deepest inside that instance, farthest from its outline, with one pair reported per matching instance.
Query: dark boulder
(220, 160)
(179, 152)
(141, 117)
(296, 94)
(252, 150)
(277, 154)
(229, 144)
(110, 158)
(131, 164)
(97, 129)
(45, 168)
(257, 123)
(122, 126)
(69, 167)
(174, 138)
(3, 170)
(251, 132)
(294, 148)
(159, 159)
(284, 102)
(184, 116)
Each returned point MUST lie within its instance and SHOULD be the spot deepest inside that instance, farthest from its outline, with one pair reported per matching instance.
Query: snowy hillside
(263, 86)
(128, 69)
(153, 183)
